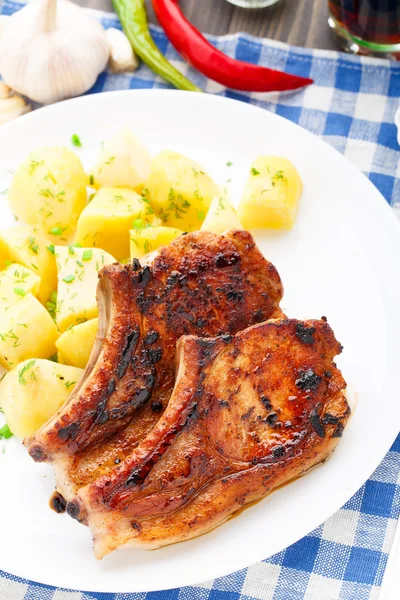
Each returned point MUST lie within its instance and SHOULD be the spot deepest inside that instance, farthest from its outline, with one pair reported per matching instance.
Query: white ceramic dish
(341, 260)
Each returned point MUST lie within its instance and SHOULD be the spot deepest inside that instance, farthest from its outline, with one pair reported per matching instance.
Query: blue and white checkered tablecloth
(351, 106)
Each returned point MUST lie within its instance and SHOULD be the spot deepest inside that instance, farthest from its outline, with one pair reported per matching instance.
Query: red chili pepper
(213, 63)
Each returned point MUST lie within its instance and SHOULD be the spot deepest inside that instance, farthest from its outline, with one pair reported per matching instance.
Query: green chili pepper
(133, 17)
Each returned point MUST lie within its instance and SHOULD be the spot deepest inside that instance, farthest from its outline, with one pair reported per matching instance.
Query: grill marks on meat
(201, 284)
(238, 425)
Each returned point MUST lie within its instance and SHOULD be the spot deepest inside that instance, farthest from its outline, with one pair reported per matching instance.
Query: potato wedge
(123, 162)
(75, 345)
(49, 189)
(26, 331)
(107, 219)
(272, 194)
(78, 270)
(221, 216)
(179, 190)
(27, 246)
(15, 283)
(145, 238)
(33, 392)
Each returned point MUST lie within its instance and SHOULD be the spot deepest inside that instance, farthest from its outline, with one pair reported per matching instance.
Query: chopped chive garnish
(91, 179)
(19, 292)
(23, 370)
(69, 278)
(56, 231)
(5, 432)
(254, 172)
(51, 248)
(71, 250)
(53, 297)
(79, 263)
(76, 140)
(87, 254)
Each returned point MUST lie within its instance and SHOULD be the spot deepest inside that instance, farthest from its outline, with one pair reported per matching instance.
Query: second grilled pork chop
(248, 413)
(202, 284)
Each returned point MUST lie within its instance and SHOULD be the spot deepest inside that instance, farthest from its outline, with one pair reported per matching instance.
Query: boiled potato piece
(26, 246)
(179, 190)
(33, 392)
(15, 282)
(49, 189)
(271, 196)
(26, 331)
(107, 219)
(75, 345)
(221, 216)
(78, 270)
(123, 162)
(146, 238)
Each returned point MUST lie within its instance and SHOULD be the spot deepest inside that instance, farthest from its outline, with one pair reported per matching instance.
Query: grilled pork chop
(247, 414)
(202, 284)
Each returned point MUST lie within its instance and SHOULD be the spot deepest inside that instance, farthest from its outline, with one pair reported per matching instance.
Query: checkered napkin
(352, 106)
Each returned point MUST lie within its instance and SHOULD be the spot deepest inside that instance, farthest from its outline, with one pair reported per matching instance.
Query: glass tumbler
(367, 26)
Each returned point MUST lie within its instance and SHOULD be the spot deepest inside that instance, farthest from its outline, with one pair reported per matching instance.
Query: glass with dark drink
(367, 26)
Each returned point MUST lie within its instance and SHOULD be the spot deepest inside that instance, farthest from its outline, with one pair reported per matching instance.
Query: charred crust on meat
(234, 295)
(151, 338)
(323, 318)
(172, 280)
(134, 479)
(329, 419)
(278, 451)
(144, 276)
(223, 404)
(73, 509)
(69, 432)
(266, 402)
(155, 355)
(58, 503)
(136, 266)
(305, 334)
(156, 406)
(271, 419)
(248, 414)
(141, 396)
(110, 389)
(226, 337)
(136, 526)
(36, 451)
(338, 432)
(308, 381)
(222, 260)
(328, 374)
(117, 461)
(200, 323)
(258, 316)
(316, 423)
(130, 344)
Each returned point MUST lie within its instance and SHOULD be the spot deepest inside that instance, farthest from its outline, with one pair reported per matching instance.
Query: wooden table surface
(298, 22)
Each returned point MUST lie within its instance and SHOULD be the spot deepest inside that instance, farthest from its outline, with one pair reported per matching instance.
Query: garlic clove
(11, 104)
(122, 57)
(51, 50)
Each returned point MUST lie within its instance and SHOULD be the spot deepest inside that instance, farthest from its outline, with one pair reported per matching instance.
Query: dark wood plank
(297, 22)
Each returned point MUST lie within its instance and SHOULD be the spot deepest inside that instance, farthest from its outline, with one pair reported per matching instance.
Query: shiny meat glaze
(247, 414)
(201, 284)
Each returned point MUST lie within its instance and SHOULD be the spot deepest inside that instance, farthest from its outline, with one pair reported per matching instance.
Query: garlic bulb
(11, 104)
(50, 50)
(122, 57)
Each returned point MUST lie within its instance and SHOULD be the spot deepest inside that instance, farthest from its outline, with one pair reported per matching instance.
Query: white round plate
(341, 260)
